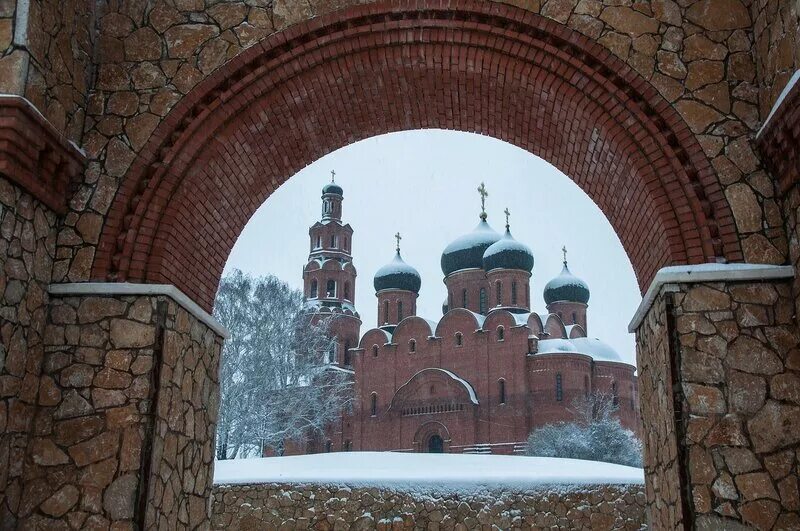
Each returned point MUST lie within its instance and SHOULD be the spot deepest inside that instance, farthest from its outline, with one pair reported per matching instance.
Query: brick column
(128, 401)
(719, 383)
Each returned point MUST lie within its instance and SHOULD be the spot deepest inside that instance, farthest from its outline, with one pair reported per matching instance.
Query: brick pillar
(719, 383)
(128, 401)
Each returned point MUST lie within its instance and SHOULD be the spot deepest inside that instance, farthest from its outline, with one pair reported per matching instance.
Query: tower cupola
(568, 296)
(508, 265)
(397, 287)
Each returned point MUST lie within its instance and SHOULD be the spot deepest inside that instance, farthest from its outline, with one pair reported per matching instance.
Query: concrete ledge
(126, 288)
(705, 273)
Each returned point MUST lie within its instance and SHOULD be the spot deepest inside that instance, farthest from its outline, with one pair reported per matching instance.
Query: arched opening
(435, 444)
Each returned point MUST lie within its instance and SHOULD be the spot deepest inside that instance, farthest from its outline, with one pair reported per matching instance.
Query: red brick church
(486, 373)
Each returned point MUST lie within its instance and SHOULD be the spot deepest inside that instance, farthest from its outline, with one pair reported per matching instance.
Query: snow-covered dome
(397, 275)
(566, 287)
(556, 345)
(332, 188)
(508, 253)
(466, 251)
(598, 350)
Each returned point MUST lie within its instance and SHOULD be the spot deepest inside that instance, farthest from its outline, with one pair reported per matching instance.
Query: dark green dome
(397, 275)
(508, 253)
(332, 188)
(566, 287)
(466, 252)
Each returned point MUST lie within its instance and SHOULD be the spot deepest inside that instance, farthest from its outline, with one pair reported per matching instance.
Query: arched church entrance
(173, 202)
(435, 444)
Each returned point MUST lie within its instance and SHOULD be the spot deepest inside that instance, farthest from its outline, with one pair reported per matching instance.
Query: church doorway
(435, 445)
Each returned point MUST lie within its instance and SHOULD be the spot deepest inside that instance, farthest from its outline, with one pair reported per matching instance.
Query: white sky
(423, 184)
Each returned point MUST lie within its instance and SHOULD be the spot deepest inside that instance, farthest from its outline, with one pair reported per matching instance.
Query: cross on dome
(333, 176)
(507, 213)
(564, 250)
(398, 238)
(484, 194)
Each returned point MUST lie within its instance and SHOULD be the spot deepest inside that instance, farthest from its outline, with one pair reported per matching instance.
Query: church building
(486, 373)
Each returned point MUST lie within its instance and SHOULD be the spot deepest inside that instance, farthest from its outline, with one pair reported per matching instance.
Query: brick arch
(481, 67)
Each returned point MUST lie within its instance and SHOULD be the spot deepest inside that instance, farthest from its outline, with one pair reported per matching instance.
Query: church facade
(480, 378)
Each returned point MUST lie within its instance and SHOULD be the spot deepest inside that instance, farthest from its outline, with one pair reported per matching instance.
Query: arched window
(374, 351)
(332, 353)
(348, 445)
(464, 298)
(314, 288)
(373, 404)
(347, 361)
(345, 243)
(412, 345)
(482, 300)
(614, 394)
(501, 333)
(330, 290)
(399, 311)
(574, 317)
(347, 290)
(559, 390)
(333, 241)
(319, 242)
(514, 292)
(459, 339)
(386, 312)
(499, 288)
(501, 385)
(328, 446)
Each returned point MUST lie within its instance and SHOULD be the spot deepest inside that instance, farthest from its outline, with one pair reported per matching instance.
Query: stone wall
(776, 36)
(125, 426)
(734, 349)
(321, 507)
(27, 249)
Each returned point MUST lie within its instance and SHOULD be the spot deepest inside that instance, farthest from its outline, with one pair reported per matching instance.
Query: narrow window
(527, 295)
(328, 446)
(574, 317)
(482, 306)
(514, 292)
(348, 445)
(332, 353)
(412, 346)
(614, 394)
(559, 390)
(345, 243)
(373, 406)
(347, 353)
(501, 333)
(347, 290)
(449, 299)
(386, 312)
(331, 289)
(459, 339)
(399, 311)
(319, 242)
(314, 288)
(499, 288)
(586, 386)
(333, 241)
(374, 351)
(502, 390)
(464, 298)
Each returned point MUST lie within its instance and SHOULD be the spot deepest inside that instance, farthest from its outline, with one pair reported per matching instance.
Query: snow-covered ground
(427, 471)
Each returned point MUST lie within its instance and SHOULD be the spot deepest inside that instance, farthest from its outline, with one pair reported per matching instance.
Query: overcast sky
(423, 184)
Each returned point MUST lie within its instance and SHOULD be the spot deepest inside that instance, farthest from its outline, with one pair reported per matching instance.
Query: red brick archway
(480, 67)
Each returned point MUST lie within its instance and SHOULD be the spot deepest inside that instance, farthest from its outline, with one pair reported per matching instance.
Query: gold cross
(507, 213)
(333, 175)
(398, 238)
(564, 250)
(484, 194)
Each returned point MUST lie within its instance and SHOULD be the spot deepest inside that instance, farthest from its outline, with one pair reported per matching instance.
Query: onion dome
(332, 188)
(508, 253)
(397, 275)
(466, 252)
(566, 287)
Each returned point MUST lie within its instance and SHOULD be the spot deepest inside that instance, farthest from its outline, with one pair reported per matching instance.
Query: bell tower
(329, 277)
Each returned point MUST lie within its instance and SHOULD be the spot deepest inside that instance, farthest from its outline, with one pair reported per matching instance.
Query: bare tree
(274, 382)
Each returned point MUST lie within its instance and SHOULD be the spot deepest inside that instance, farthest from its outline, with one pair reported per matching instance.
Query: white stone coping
(705, 273)
(127, 288)
(785, 92)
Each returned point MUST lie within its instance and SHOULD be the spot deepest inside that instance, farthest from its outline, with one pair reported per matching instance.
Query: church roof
(332, 188)
(566, 287)
(397, 274)
(508, 253)
(466, 252)
(590, 346)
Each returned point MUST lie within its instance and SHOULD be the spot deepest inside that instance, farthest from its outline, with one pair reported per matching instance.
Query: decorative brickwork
(35, 156)
(322, 507)
(125, 427)
(720, 384)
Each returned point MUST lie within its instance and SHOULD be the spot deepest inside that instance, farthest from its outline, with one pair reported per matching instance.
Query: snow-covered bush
(275, 386)
(596, 435)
